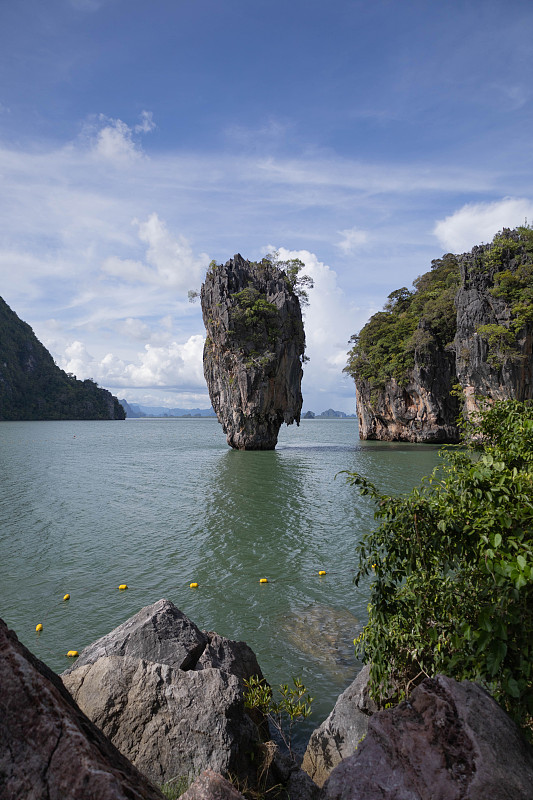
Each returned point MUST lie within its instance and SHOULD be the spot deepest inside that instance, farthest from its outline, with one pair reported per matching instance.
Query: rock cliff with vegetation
(254, 348)
(33, 387)
(467, 322)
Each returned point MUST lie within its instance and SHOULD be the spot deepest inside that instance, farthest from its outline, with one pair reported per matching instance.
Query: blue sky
(139, 139)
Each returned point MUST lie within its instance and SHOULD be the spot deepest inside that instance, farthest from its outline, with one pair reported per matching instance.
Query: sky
(139, 139)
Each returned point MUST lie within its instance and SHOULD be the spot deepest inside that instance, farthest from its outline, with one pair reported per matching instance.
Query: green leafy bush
(451, 567)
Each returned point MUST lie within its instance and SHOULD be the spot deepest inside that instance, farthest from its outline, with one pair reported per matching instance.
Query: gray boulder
(48, 747)
(211, 786)
(450, 741)
(160, 633)
(341, 732)
(168, 722)
(170, 696)
(234, 658)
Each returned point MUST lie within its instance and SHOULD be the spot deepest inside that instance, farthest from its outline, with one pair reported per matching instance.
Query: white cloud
(174, 365)
(134, 329)
(147, 123)
(113, 140)
(169, 263)
(475, 223)
(329, 321)
(353, 239)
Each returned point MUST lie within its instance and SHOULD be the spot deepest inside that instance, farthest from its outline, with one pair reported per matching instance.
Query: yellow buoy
(193, 586)
(263, 580)
(123, 586)
(72, 654)
(66, 597)
(322, 572)
(38, 628)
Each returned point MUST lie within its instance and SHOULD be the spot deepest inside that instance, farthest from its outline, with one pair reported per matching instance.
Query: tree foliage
(33, 387)
(509, 260)
(451, 567)
(292, 267)
(412, 321)
(293, 705)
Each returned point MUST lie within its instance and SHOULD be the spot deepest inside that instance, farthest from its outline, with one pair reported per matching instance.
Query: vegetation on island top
(254, 321)
(451, 568)
(425, 319)
(411, 321)
(33, 387)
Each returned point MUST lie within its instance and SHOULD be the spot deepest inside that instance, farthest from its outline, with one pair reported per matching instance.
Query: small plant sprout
(293, 706)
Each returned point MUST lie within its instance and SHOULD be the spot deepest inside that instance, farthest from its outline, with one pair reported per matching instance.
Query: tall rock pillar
(253, 352)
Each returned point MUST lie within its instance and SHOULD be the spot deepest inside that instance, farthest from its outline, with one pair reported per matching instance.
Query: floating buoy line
(122, 587)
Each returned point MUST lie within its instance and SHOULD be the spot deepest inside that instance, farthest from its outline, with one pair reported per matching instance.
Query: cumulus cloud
(329, 321)
(174, 365)
(352, 239)
(475, 223)
(170, 261)
(113, 140)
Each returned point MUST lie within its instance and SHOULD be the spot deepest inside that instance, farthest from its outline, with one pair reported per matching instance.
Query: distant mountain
(329, 414)
(33, 387)
(135, 411)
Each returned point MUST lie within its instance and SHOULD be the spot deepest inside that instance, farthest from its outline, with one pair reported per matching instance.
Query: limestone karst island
(253, 351)
(440, 696)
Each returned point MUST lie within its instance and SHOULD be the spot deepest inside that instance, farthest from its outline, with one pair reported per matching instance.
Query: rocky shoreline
(158, 698)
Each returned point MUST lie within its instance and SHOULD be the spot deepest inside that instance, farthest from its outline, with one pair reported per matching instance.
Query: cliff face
(469, 322)
(421, 410)
(33, 387)
(253, 351)
(494, 337)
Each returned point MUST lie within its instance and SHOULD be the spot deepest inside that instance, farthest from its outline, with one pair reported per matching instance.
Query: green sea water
(159, 503)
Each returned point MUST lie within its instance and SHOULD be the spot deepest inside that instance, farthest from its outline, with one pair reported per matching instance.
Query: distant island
(33, 387)
(329, 414)
(136, 411)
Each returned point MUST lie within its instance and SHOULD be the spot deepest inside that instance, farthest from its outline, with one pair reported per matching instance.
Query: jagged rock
(285, 772)
(449, 741)
(160, 633)
(422, 408)
(340, 734)
(168, 721)
(169, 695)
(498, 376)
(253, 351)
(421, 411)
(235, 658)
(48, 747)
(211, 786)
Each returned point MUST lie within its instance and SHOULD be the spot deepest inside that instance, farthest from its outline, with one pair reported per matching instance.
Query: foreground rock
(253, 352)
(48, 747)
(211, 786)
(340, 734)
(168, 722)
(170, 696)
(451, 741)
(160, 633)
